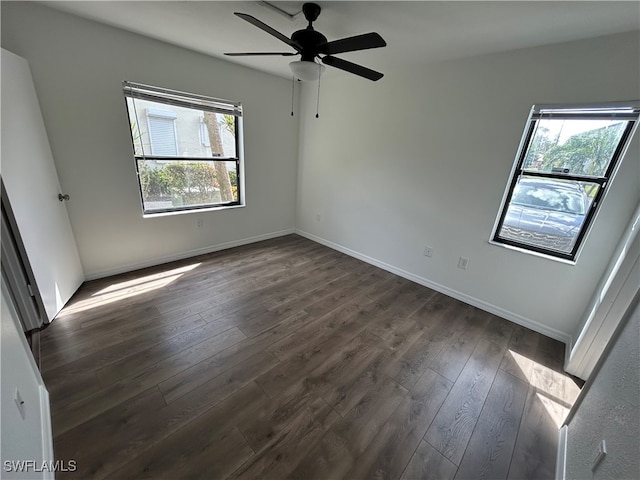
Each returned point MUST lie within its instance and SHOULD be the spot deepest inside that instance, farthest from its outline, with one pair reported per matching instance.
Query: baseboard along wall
(187, 254)
(476, 302)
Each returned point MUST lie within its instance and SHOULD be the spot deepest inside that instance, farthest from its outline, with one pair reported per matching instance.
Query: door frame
(17, 272)
(615, 293)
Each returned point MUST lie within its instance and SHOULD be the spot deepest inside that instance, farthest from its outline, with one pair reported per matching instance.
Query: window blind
(181, 99)
(612, 111)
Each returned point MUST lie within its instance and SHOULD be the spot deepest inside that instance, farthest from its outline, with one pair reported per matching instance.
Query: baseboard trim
(561, 462)
(190, 253)
(476, 302)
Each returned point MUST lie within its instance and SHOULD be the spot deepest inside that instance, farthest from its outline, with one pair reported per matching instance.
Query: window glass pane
(169, 130)
(169, 185)
(547, 213)
(573, 147)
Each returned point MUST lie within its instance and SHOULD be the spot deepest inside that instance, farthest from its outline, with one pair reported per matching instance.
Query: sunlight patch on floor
(556, 391)
(149, 278)
(556, 412)
(122, 290)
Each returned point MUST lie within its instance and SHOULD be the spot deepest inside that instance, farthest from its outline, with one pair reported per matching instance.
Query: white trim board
(561, 460)
(189, 253)
(47, 432)
(481, 304)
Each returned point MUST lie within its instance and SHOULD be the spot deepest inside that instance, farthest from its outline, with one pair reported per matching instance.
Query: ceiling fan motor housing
(310, 41)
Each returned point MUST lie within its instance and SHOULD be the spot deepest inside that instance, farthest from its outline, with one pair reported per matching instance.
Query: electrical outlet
(318, 216)
(428, 251)
(463, 263)
(199, 223)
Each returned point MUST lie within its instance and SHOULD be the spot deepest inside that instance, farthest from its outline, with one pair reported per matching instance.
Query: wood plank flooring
(286, 359)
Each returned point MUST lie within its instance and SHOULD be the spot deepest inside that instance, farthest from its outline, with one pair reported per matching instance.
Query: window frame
(628, 111)
(195, 102)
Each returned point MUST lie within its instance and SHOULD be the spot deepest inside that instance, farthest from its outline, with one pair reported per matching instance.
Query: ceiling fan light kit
(307, 71)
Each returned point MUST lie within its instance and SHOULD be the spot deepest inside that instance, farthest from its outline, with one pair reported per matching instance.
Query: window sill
(194, 210)
(536, 254)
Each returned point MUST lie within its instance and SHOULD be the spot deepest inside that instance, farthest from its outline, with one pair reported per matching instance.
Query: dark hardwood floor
(286, 359)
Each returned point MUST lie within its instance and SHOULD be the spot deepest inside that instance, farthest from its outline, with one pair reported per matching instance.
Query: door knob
(62, 197)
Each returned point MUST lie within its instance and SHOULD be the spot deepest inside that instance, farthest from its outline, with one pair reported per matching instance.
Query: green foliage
(153, 182)
(539, 146)
(136, 136)
(233, 178)
(186, 183)
(229, 122)
(586, 153)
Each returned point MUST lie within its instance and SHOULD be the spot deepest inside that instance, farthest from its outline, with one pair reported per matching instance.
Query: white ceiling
(415, 31)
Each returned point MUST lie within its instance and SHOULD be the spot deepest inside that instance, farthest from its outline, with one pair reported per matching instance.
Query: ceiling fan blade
(351, 44)
(246, 54)
(271, 31)
(352, 68)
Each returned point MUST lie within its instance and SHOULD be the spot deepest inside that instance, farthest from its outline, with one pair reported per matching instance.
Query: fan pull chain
(293, 86)
(318, 98)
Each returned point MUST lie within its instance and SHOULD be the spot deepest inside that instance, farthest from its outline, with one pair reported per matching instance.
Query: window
(186, 149)
(162, 132)
(566, 160)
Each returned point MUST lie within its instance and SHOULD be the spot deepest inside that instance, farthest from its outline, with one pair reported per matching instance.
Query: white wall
(78, 67)
(610, 411)
(25, 439)
(422, 157)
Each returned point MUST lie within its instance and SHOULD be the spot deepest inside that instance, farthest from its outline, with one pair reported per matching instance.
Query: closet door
(32, 186)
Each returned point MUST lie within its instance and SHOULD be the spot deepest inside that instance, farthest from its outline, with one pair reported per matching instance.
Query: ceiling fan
(311, 44)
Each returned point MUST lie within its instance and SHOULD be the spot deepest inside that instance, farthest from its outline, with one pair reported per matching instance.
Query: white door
(32, 185)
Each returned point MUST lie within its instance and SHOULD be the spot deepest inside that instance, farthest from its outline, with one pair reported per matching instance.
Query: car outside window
(564, 166)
